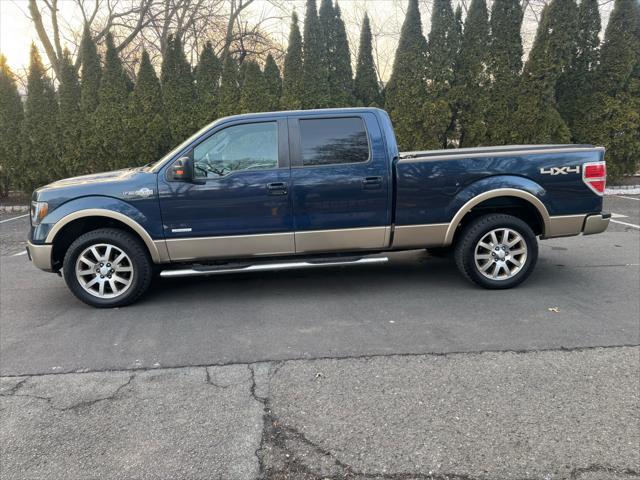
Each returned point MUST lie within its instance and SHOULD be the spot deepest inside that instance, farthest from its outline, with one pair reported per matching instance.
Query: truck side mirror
(182, 169)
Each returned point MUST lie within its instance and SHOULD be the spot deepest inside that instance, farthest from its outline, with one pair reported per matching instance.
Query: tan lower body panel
(231, 246)
(565, 226)
(346, 239)
(595, 224)
(40, 255)
(420, 236)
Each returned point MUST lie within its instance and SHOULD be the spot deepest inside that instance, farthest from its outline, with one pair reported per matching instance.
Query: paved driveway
(400, 370)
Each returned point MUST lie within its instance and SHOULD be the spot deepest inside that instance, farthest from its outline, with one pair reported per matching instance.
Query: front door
(340, 178)
(238, 204)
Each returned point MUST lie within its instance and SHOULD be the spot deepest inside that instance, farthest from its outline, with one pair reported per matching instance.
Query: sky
(15, 34)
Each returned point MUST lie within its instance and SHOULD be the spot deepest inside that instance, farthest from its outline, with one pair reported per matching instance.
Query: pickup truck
(273, 191)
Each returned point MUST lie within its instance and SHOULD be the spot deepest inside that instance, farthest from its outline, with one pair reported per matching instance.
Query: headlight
(38, 211)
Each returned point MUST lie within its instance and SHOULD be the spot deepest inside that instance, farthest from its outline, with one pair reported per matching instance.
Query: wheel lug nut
(101, 276)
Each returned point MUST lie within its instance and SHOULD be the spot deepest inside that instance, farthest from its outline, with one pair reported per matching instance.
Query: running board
(190, 272)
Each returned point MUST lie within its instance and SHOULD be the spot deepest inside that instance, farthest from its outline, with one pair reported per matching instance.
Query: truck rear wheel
(107, 268)
(496, 251)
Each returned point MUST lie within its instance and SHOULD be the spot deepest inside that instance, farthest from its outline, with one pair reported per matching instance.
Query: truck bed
(432, 186)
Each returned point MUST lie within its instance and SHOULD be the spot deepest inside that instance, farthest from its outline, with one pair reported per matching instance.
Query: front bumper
(40, 256)
(596, 223)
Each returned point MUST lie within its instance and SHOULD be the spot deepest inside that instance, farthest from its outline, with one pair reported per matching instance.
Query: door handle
(277, 188)
(371, 182)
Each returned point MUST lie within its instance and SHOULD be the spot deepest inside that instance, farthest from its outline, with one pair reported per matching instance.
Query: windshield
(155, 166)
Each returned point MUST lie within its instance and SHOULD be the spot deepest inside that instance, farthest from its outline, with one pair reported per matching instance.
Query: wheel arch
(68, 228)
(522, 197)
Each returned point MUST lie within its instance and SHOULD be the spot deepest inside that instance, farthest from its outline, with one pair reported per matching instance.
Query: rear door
(340, 183)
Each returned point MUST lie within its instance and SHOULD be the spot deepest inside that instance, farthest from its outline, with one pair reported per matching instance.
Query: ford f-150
(309, 189)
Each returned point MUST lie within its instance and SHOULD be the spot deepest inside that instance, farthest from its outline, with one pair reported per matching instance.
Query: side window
(327, 141)
(252, 146)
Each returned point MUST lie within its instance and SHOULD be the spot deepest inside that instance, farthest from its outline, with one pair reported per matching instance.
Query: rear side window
(329, 141)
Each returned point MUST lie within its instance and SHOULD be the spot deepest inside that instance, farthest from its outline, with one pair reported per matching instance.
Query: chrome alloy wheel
(500, 254)
(104, 270)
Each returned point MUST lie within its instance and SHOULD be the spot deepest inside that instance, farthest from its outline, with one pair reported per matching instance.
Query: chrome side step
(190, 272)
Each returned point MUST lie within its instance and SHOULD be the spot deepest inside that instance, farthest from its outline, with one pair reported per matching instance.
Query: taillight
(594, 175)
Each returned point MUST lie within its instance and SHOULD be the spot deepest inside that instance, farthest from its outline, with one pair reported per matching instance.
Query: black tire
(140, 277)
(473, 233)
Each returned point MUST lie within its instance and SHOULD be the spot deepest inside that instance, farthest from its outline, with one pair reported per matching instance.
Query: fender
(108, 207)
(493, 187)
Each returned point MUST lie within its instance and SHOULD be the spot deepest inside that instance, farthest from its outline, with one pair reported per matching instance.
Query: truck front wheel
(107, 268)
(496, 251)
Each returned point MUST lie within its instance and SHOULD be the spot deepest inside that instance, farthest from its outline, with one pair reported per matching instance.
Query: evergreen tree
(293, 76)
(178, 91)
(229, 103)
(405, 91)
(11, 117)
(472, 80)
(613, 119)
(326, 22)
(620, 49)
(109, 120)
(576, 86)
(454, 132)
(71, 121)
(537, 119)
(148, 128)
(273, 84)
(207, 85)
(90, 73)
(254, 95)
(40, 150)
(505, 64)
(458, 27)
(339, 63)
(242, 73)
(442, 47)
(314, 68)
(442, 44)
(336, 59)
(366, 86)
(90, 76)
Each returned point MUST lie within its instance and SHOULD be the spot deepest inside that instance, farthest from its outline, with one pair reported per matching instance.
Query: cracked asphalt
(397, 372)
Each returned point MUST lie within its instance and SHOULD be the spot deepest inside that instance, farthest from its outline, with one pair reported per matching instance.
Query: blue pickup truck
(311, 188)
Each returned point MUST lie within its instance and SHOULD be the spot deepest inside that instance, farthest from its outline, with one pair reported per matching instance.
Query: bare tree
(137, 24)
(128, 15)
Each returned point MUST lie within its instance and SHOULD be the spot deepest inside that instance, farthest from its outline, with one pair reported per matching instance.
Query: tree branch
(44, 38)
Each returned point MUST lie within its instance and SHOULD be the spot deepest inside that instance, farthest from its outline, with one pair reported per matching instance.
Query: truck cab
(271, 184)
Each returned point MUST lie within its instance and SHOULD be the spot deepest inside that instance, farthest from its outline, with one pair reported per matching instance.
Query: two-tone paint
(391, 201)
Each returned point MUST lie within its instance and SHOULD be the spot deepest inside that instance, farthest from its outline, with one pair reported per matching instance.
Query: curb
(14, 208)
(626, 190)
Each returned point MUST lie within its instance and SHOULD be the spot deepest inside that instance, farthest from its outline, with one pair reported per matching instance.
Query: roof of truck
(300, 113)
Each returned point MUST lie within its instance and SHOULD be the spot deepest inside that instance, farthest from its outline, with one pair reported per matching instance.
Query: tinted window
(333, 140)
(253, 146)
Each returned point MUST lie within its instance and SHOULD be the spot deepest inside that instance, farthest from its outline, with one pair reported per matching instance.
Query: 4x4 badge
(560, 170)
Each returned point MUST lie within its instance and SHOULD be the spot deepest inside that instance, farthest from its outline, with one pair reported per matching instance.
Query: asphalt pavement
(399, 371)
